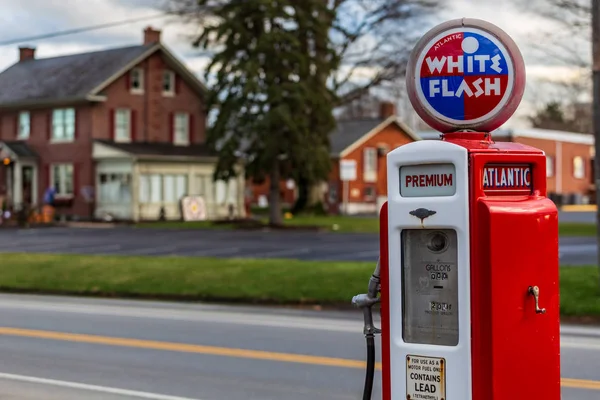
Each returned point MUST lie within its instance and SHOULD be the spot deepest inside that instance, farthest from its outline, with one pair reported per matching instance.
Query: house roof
(160, 149)
(78, 77)
(19, 149)
(63, 78)
(350, 133)
(532, 133)
(548, 134)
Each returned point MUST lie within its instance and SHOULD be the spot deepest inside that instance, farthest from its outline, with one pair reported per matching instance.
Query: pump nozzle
(368, 300)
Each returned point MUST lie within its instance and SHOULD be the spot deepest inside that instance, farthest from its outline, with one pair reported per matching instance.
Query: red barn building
(569, 160)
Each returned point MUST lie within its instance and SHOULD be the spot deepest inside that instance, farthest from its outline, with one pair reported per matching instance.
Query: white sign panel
(193, 208)
(428, 180)
(347, 170)
(425, 378)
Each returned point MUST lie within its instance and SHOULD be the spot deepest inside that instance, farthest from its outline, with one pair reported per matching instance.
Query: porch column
(9, 186)
(34, 187)
(18, 185)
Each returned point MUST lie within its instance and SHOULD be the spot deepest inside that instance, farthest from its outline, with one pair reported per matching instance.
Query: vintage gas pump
(468, 270)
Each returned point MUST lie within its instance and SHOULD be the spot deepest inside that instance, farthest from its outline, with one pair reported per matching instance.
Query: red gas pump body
(514, 245)
(515, 350)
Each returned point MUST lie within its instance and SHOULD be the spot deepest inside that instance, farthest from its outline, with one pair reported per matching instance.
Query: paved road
(577, 216)
(67, 349)
(159, 242)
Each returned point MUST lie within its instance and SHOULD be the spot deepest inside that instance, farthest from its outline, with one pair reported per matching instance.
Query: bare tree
(363, 107)
(565, 43)
(373, 38)
(376, 37)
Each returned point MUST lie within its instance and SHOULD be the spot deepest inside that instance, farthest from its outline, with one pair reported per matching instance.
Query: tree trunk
(302, 200)
(274, 196)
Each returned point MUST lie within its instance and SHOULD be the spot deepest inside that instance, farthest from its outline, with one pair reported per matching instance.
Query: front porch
(19, 176)
(147, 181)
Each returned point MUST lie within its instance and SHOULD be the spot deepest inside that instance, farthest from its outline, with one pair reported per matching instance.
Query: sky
(26, 18)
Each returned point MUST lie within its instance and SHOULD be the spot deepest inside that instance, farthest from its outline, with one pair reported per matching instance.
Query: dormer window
(136, 79)
(168, 83)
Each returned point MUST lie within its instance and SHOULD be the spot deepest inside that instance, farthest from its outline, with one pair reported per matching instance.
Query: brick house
(116, 132)
(365, 142)
(569, 159)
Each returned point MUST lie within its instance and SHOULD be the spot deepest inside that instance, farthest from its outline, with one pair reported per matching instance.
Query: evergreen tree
(315, 21)
(271, 72)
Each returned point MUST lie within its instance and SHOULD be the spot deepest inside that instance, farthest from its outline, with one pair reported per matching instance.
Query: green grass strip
(231, 280)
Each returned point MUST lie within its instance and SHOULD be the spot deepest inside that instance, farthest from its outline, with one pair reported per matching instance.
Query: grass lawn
(580, 291)
(576, 229)
(231, 280)
(245, 280)
(340, 223)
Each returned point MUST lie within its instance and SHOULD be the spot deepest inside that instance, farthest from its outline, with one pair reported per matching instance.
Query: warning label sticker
(425, 378)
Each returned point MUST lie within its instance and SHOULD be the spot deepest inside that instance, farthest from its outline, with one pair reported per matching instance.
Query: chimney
(151, 35)
(386, 109)
(26, 53)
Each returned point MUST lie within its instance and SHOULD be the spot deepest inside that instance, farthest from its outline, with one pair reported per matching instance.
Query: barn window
(578, 167)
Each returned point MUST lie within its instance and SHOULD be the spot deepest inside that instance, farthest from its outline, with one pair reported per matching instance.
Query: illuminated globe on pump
(465, 74)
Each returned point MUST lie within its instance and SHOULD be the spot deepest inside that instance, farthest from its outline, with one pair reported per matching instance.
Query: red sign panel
(507, 179)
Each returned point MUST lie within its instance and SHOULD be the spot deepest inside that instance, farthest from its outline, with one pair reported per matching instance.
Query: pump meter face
(430, 286)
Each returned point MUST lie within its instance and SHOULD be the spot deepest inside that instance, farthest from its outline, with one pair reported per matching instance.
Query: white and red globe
(465, 74)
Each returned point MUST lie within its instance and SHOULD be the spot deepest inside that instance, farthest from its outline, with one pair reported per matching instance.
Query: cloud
(26, 18)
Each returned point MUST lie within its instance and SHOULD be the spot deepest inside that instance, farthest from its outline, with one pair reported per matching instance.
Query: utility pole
(596, 109)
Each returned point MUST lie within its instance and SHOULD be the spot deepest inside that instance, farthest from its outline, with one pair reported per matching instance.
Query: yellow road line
(226, 351)
(578, 208)
(186, 348)
(580, 384)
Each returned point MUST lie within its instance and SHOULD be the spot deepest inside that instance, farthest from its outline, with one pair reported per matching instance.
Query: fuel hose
(370, 367)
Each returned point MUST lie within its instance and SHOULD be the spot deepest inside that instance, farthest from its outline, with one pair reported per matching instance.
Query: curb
(582, 331)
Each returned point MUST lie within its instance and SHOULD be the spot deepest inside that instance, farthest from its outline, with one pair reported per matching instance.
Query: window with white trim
(169, 186)
(168, 83)
(156, 191)
(369, 193)
(144, 189)
(578, 167)
(549, 166)
(182, 129)
(180, 186)
(24, 125)
(136, 79)
(220, 191)
(158, 188)
(115, 188)
(202, 185)
(63, 124)
(122, 125)
(332, 193)
(232, 191)
(370, 164)
(62, 179)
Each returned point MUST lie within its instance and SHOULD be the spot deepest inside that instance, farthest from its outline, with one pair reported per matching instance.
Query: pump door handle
(535, 292)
